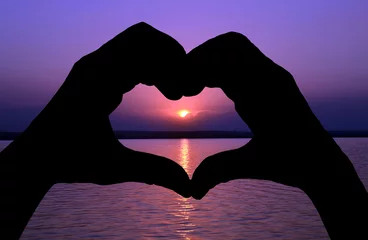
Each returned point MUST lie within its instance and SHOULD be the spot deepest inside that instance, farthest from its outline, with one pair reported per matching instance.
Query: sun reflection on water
(184, 154)
(184, 205)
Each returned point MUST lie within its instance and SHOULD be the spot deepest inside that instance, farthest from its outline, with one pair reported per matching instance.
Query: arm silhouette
(305, 156)
(59, 147)
(71, 140)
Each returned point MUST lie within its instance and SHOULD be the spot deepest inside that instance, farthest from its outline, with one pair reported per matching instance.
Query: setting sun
(183, 113)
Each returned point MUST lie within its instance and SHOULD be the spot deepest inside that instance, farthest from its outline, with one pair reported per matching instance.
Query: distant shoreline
(195, 134)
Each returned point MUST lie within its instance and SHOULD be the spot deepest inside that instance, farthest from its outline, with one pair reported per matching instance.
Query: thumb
(152, 169)
(223, 167)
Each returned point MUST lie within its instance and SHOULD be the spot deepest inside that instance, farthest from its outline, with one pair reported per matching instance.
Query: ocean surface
(241, 209)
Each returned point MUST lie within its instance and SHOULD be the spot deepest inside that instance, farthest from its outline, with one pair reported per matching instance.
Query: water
(242, 209)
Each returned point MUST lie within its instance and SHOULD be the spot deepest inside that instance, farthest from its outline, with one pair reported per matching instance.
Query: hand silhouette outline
(269, 101)
(266, 97)
(303, 155)
(72, 141)
(92, 90)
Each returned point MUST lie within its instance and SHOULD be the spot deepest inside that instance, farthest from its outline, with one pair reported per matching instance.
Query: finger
(166, 69)
(134, 166)
(212, 60)
(223, 167)
(260, 89)
(157, 170)
(192, 87)
(157, 59)
(139, 54)
(170, 90)
(192, 83)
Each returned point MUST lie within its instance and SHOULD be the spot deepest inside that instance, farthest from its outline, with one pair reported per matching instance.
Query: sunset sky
(324, 44)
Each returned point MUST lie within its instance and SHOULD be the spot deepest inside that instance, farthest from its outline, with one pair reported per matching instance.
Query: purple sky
(324, 44)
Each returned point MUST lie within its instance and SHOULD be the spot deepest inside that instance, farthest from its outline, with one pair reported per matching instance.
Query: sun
(183, 113)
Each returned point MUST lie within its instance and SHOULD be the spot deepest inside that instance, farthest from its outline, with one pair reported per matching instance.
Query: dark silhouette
(304, 156)
(58, 146)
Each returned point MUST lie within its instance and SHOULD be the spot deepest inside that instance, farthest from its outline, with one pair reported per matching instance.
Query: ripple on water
(242, 209)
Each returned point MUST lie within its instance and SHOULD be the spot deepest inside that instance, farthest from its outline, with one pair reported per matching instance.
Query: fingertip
(156, 170)
(199, 185)
(183, 185)
(198, 196)
(186, 194)
(211, 172)
(172, 93)
(171, 175)
(192, 90)
(175, 97)
(199, 189)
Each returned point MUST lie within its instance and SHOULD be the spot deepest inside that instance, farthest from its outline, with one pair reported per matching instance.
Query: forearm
(341, 201)
(21, 192)
(335, 189)
(333, 184)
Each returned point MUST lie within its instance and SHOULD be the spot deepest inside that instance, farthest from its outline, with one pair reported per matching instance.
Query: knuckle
(234, 36)
(142, 26)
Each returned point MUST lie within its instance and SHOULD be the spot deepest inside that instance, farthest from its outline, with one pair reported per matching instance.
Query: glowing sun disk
(183, 113)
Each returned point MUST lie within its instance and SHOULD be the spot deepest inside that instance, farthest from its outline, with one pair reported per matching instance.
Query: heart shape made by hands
(265, 96)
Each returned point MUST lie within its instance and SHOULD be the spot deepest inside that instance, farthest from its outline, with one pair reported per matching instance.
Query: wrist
(20, 198)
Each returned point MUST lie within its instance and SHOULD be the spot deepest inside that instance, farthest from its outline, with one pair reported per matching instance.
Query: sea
(240, 209)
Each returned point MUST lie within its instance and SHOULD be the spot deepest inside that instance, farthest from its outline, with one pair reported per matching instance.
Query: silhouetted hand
(74, 129)
(289, 146)
(72, 141)
(268, 100)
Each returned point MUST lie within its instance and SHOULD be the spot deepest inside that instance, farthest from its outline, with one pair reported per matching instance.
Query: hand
(72, 139)
(290, 146)
(268, 100)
